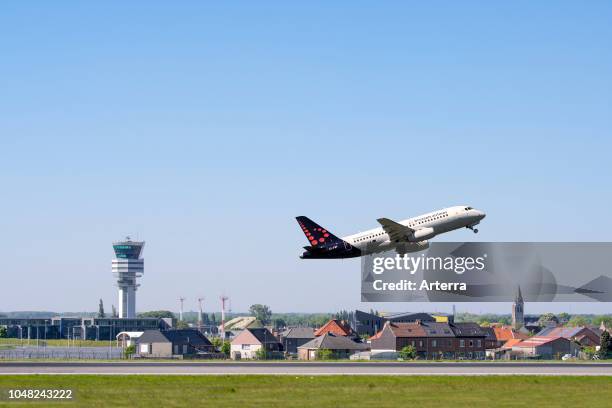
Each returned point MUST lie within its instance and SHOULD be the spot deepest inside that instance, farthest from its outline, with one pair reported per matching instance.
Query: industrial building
(80, 328)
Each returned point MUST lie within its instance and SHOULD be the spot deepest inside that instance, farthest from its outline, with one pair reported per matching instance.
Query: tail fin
(316, 235)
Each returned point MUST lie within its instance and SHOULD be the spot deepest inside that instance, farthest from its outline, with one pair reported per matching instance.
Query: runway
(306, 368)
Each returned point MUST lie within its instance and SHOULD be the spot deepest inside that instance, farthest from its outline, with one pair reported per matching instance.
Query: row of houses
(549, 343)
(432, 340)
(429, 338)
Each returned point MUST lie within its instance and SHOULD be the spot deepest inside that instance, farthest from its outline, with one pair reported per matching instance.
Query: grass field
(56, 342)
(319, 391)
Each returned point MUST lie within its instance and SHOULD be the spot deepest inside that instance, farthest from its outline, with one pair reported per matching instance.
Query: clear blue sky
(204, 128)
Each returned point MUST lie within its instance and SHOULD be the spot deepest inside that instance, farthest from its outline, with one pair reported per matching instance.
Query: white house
(246, 344)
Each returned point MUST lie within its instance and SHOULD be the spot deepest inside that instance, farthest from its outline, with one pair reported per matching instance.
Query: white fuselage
(445, 220)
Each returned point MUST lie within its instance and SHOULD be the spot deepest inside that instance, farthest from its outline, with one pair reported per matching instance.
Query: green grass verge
(318, 391)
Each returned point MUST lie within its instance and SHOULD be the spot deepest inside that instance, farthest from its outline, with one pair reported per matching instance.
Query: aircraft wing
(396, 231)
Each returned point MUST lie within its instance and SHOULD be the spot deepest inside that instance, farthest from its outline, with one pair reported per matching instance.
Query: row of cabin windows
(411, 225)
(428, 219)
(369, 237)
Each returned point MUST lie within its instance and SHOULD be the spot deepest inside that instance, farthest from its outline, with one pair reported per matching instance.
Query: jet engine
(407, 247)
(422, 234)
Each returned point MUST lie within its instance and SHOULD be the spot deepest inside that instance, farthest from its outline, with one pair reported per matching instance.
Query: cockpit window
(468, 208)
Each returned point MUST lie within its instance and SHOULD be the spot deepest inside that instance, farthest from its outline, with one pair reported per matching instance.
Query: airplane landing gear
(475, 230)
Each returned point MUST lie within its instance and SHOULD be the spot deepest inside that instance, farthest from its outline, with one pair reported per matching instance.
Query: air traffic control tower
(127, 266)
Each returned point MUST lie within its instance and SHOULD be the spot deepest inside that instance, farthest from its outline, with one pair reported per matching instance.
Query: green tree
(279, 323)
(506, 320)
(325, 354)
(205, 319)
(605, 345)
(181, 324)
(3, 332)
(226, 348)
(589, 351)
(577, 321)
(261, 354)
(318, 320)
(547, 318)
(407, 353)
(216, 341)
(129, 351)
(607, 320)
(564, 317)
(101, 309)
(261, 312)
(160, 314)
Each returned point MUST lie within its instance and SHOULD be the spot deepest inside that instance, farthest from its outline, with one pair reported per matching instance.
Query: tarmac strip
(315, 368)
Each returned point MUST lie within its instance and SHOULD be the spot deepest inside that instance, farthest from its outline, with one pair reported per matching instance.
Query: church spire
(518, 311)
(519, 296)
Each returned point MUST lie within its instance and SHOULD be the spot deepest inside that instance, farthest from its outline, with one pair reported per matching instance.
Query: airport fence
(63, 353)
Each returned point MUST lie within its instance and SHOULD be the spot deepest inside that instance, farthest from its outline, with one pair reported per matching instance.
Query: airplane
(409, 235)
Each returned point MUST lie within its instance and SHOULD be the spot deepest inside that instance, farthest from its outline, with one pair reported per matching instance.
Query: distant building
(335, 326)
(433, 340)
(368, 324)
(532, 324)
(172, 343)
(409, 317)
(250, 340)
(126, 339)
(443, 317)
(545, 348)
(295, 337)
(82, 328)
(518, 311)
(340, 347)
(490, 339)
(582, 335)
(501, 335)
(234, 326)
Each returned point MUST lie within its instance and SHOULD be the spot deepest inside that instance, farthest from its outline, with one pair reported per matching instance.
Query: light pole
(223, 300)
(200, 300)
(181, 300)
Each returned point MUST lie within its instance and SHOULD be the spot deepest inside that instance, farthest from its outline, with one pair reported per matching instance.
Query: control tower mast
(127, 266)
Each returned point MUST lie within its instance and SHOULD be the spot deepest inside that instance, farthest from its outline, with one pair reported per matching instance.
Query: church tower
(518, 311)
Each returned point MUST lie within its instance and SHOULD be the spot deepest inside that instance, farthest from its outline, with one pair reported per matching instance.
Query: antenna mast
(200, 315)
